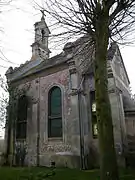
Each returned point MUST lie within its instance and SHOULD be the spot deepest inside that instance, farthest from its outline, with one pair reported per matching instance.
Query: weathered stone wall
(130, 123)
(120, 74)
(67, 72)
(51, 149)
(117, 110)
(51, 146)
(31, 90)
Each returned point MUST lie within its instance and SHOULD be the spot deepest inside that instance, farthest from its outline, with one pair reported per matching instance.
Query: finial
(43, 14)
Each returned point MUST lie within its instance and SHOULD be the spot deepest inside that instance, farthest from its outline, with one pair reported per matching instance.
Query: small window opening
(93, 115)
(43, 35)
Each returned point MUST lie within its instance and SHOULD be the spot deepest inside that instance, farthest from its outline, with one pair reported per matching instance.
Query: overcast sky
(17, 24)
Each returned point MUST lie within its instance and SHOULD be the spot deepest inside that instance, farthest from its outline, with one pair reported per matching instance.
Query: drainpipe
(38, 124)
(81, 128)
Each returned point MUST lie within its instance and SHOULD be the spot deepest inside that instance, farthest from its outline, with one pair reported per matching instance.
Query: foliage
(39, 176)
(60, 174)
(57, 174)
(3, 100)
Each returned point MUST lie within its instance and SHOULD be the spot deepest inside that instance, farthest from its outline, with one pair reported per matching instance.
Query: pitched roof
(111, 52)
(74, 47)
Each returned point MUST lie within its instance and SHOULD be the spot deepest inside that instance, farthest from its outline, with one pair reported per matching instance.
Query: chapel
(51, 118)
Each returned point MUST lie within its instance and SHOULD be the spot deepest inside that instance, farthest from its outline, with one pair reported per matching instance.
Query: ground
(10, 173)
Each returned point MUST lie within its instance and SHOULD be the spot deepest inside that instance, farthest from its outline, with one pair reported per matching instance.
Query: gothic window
(55, 113)
(21, 124)
(93, 114)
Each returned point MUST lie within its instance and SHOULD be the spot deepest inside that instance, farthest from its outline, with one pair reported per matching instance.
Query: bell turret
(40, 46)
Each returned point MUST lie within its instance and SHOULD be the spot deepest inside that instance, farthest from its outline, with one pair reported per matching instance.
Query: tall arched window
(55, 113)
(21, 124)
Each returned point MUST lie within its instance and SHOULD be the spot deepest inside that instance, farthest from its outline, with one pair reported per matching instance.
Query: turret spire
(43, 14)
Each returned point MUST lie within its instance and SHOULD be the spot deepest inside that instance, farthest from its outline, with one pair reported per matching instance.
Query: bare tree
(5, 7)
(4, 3)
(103, 21)
(3, 86)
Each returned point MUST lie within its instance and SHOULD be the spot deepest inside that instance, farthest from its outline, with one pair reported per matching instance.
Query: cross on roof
(43, 13)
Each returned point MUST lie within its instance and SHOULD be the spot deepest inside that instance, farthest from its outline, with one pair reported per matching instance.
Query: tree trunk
(108, 162)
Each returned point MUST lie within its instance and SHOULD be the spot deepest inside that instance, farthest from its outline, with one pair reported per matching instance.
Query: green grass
(7, 173)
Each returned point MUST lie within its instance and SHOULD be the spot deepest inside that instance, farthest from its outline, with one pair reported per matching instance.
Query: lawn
(7, 173)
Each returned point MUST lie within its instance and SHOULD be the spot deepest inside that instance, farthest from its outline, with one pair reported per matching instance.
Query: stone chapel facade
(52, 114)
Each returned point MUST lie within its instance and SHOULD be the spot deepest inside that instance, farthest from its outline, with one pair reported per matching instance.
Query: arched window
(55, 113)
(21, 124)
